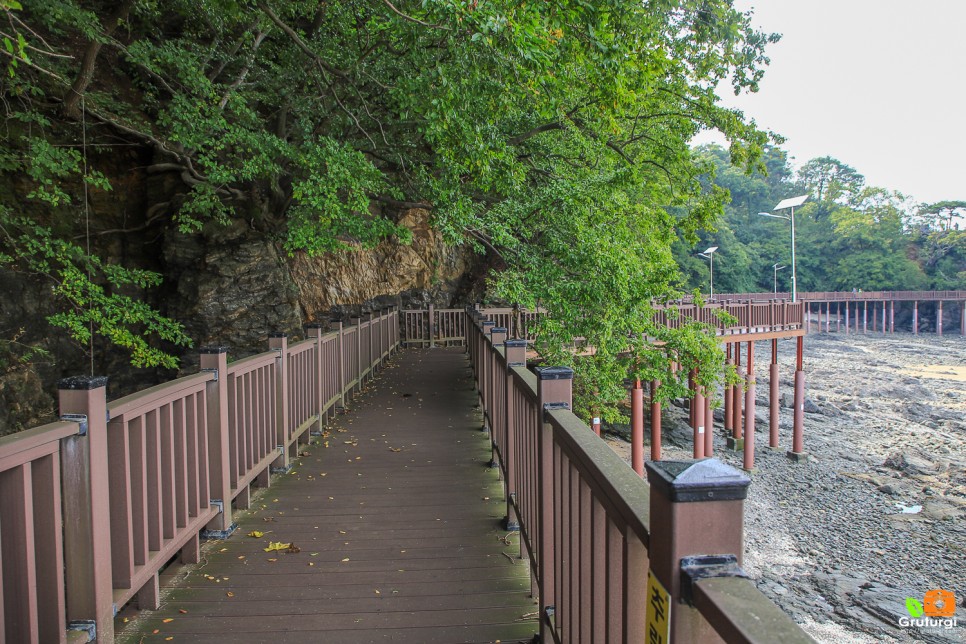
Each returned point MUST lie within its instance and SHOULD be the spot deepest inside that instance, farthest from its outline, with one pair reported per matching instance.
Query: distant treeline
(848, 234)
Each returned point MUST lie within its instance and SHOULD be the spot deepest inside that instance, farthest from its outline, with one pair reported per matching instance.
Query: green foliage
(86, 286)
(552, 135)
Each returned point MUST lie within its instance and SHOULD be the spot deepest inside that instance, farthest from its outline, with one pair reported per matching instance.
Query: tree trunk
(72, 99)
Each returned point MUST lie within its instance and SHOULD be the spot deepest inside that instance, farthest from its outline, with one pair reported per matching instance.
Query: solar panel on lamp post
(790, 203)
(710, 255)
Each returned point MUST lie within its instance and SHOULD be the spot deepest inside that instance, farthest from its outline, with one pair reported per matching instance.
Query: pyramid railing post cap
(516, 343)
(498, 329)
(555, 373)
(82, 383)
(704, 480)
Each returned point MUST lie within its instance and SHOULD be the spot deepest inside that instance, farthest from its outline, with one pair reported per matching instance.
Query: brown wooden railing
(93, 506)
(775, 318)
(844, 296)
(609, 554)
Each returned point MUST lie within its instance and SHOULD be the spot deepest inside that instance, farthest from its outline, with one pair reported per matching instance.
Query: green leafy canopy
(552, 135)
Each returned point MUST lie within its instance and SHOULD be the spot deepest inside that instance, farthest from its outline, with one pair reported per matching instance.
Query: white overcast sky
(878, 84)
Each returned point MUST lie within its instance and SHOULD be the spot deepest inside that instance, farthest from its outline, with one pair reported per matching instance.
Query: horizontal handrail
(22, 447)
(153, 397)
(741, 614)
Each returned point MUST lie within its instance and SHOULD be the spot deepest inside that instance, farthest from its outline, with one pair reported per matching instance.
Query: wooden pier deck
(395, 522)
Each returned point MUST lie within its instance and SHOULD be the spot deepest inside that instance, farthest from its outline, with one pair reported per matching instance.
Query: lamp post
(777, 268)
(710, 255)
(790, 203)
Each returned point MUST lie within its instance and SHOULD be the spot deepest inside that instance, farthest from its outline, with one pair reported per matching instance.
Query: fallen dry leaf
(277, 545)
(229, 594)
(167, 620)
(257, 534)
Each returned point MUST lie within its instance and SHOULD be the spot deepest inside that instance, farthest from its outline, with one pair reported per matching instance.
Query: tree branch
(411, 19)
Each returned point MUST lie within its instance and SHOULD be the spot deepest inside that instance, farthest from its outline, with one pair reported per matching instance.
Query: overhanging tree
(553, 135)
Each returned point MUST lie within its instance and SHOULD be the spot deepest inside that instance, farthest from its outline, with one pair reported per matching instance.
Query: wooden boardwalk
(395, 523)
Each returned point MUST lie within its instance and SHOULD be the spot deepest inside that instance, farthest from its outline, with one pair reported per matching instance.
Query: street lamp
(782, 205)
(777, 268)
(710, 255)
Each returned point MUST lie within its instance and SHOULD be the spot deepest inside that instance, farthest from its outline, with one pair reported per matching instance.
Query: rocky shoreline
(878, 512)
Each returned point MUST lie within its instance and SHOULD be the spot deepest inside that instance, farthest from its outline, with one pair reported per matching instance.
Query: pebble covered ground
(877, 514)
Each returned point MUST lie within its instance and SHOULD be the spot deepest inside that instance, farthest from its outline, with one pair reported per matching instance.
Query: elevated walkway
(395, 521)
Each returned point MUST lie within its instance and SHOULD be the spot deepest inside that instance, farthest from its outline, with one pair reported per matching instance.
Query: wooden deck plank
(398, 524)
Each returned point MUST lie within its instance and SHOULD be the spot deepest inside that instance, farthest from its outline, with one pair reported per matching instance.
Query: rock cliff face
(236, 287)
(229, 286)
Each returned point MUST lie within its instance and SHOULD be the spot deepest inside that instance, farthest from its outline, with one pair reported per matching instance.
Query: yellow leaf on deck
(346, 559)
(167, 620)
(257, 534)
(229, 594)
(277, 545)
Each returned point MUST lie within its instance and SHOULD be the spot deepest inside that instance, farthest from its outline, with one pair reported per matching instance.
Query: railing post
(485, 367)
(219, 466)
(278, 342)
(516, 356)
(336, 325)
(86, 497)
(314, 331)
(432, 327)
(357, 323)
(372, 348)
(554, 390)
(497, 338)
(697, 508)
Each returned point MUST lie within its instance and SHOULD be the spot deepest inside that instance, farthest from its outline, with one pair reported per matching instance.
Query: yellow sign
(658, 611)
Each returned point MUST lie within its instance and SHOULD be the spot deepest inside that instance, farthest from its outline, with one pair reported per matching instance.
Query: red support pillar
(773, 398)
(749, 460)
(738, 395)
(915, 317)
(655, 422)
(797, 452)
(939, 318)
(728, 412)
(847, 309)
(697, 406)
(708, 428)
(892, 316)
(865, 317)
(637, 428)
(838, 317)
